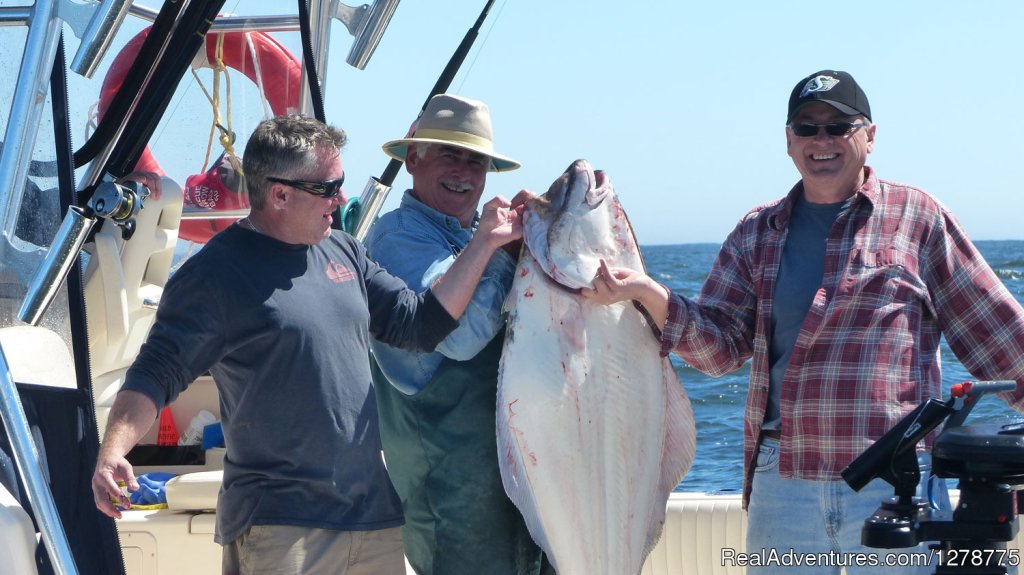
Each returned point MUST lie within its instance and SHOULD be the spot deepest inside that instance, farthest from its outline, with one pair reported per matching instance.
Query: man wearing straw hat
(279, 308)
(436, 409)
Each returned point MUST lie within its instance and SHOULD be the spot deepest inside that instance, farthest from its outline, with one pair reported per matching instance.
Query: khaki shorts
(287, 549)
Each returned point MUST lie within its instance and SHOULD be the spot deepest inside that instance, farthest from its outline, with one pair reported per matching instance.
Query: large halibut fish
(594, 428)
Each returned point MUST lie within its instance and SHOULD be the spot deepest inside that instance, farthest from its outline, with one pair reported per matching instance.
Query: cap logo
(819, 84)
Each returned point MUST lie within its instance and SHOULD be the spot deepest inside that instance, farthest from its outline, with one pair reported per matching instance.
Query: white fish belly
(594, 428)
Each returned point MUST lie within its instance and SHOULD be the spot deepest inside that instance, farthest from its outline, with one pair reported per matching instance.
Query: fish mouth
(562, 224)
(599, 191)
(596, 184)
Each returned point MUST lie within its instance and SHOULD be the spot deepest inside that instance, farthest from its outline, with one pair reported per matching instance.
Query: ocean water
(718, 402)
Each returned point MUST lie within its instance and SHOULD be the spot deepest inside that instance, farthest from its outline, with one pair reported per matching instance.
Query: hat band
(458, 138)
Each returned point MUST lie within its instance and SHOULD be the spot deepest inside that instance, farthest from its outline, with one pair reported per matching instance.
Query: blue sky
(683, 103)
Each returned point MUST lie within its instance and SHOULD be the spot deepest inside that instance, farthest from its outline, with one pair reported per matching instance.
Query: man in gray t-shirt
(280, 308)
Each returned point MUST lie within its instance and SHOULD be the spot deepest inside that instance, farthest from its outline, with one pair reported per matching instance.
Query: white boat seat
(17, 536)
(194, 491)
(122, 280)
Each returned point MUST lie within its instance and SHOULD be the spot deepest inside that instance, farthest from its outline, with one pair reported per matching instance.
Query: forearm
(654, 297)
(713, 337)
(455, 288)
(500, 223)
(131, 416)
(483, 317)
(624, 284)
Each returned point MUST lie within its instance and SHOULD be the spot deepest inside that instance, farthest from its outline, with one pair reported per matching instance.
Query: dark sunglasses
(807, 130)
(327, 189)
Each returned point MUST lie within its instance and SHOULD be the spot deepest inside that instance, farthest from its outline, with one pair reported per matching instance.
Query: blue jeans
(799, 518)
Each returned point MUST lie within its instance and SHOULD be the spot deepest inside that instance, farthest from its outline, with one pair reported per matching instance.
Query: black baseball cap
(835, 88)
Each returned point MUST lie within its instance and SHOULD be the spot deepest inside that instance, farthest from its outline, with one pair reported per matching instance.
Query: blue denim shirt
(419, 244)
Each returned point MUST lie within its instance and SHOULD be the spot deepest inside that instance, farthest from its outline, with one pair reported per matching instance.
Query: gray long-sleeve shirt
(284, 330)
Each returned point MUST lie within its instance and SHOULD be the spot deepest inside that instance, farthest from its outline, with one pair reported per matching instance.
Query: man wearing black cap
(832, 166)
(838, 294)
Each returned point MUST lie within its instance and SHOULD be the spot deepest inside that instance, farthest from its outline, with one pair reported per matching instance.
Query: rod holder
(96, 39)
(370, 202)
(367, 23)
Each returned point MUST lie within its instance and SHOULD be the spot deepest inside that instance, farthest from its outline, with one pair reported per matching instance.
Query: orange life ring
(280, 74)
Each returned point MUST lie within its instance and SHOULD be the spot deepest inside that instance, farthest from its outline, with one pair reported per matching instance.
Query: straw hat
(454, 121)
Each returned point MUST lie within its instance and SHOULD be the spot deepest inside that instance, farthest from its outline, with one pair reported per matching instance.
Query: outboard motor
(986, 458)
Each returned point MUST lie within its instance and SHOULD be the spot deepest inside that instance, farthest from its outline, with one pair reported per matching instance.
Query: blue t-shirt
(800, 275)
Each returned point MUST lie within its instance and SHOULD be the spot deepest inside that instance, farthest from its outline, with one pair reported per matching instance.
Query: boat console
(987, 459)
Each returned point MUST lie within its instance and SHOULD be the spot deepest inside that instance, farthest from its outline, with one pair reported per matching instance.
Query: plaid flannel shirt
(899, 273)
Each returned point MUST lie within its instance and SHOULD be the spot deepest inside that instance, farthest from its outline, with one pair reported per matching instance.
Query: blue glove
(151, 489)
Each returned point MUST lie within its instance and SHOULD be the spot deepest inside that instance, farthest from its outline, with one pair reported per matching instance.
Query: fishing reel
(986, 458)
(120, 203)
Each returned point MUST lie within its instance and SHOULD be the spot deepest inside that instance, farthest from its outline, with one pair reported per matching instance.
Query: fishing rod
(358, 214)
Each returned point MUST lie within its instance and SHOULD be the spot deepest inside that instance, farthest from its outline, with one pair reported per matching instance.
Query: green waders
(441, 454)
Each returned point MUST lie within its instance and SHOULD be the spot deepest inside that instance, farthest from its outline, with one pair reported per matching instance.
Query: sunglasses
(807, 130)
(328, 189)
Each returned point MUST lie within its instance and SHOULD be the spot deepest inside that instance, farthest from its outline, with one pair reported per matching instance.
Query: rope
(225, 137)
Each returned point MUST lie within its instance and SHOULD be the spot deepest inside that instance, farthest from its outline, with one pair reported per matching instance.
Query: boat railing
(194, 213)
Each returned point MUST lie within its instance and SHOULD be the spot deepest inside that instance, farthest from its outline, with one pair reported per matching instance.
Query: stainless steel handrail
(14, 15)
(233, 23)
(320, 31)
(23, 124)
(49, 276)
(26, 109)
(214, 214)
(26, 458)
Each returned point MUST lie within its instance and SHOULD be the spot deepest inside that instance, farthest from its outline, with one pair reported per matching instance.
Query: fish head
(571, 228)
